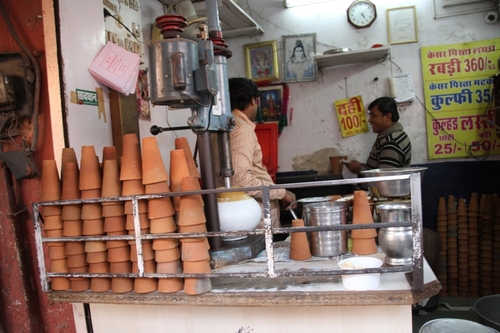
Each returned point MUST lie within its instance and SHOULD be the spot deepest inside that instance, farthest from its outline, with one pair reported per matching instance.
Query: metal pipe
(207, 171)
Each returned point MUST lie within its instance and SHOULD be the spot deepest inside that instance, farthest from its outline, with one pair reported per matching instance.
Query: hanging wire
(476, 144)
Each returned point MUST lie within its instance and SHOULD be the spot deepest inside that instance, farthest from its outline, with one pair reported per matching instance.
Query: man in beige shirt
(246, 151)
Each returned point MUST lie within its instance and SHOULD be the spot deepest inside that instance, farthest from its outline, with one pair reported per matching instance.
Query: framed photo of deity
(298, 58)
(261, 61)
(271, 102)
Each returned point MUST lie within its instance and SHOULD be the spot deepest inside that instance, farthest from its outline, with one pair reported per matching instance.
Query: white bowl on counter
(363, 281)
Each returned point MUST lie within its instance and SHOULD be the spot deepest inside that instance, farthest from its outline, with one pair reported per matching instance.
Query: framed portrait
(261, 61)
(271, 102)
(402, 25)
(298, 58)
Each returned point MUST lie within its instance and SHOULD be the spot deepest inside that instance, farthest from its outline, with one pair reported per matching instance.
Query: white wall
(314, 123)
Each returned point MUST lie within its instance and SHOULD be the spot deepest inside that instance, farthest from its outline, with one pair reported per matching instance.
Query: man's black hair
(386, 105)
(241, 92)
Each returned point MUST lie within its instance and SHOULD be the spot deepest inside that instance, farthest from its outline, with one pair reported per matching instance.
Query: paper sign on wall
(351, 116)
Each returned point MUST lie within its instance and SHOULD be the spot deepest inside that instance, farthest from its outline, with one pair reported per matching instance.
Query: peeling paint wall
(314, 126)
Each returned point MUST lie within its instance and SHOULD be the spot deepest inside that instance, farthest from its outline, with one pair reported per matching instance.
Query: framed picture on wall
(271, 102)
(298, 58)
(261, 61)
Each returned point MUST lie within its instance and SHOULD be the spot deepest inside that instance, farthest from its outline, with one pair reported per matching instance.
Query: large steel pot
(391, 188)
(396, 242)
(488, 311)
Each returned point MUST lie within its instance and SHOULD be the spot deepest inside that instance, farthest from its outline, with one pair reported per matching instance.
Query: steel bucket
(331, 213)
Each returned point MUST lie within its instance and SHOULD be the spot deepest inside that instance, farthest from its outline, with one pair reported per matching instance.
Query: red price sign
(352, 116)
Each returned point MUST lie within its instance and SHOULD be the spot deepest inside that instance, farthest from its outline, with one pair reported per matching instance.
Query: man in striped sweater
(392, 149)
(246, 152)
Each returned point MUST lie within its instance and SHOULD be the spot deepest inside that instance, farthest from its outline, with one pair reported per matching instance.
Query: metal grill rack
(417, 281)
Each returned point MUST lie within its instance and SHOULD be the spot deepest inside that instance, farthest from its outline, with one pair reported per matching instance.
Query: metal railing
(416, 223)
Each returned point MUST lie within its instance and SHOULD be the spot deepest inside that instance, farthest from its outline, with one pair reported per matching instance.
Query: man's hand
(288, 199)
(353, 166)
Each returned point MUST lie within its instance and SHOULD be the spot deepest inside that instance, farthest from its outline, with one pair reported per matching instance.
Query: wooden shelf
(345, 58)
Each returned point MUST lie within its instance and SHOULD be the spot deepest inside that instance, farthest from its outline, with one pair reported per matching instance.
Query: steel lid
(453, 325)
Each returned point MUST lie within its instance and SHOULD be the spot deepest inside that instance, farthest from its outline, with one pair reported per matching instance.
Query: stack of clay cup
(452, 244)
(131, 177)
(194, 250)
(93, 221)
(114, 224)
(53, 225)
(473, 243)
(161, 217)
(496, 246)
(363, 240)
(486, 253)
(442, 230)
(463, 248)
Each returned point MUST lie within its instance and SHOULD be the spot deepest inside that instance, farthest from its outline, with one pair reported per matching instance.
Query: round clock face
(361, 13)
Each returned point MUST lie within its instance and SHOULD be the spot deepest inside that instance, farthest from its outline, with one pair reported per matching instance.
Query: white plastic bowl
(364, 281)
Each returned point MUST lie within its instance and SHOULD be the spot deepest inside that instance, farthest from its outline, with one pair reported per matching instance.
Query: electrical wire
(108, 14)
(476, 144)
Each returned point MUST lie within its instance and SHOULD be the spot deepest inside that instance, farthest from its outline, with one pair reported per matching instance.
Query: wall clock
(361, 14)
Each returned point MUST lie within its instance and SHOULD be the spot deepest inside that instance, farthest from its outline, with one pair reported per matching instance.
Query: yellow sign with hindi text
(351, 116)
(458, 87)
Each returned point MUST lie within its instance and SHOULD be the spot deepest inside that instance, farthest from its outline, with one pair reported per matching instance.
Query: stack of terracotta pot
(195, 255)
(363, 240)
(486, 254)
(463, 248)
(131, 177)
(452, 247)
(161, 217)
(496, 247)
(53, 224)
(442, 229)
(93, 221)
(473, 244)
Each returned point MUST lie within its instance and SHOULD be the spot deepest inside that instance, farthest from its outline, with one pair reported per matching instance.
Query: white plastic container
(237, 212)
(364, 281)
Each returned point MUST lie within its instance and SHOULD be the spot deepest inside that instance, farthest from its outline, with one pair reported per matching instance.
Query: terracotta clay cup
(57, 252)
(52, 222)
(115, 223)
(153, 169)
(73, 228)
(145, 285)
(194, 286)
(131, 187)
(162, 225)
(67, 155)
(473, 202)
(196, 228)
(59, 265)
(60, 283)
(131, 163)
(77, 260)
(165, 243)
(73, 248)
(143, 221)
(191, 212)
(194, 251)
(169, 267)
(170, 285)
(364, 246)
(167, 255)
(119, 254)
(100, 284)
(182, 143)
(111, 184)
(50, 188)
(99, 267)
(91, 211)
(109, 153)
(90, 171)
(142, 207)
(118, 284)
(202, 266)
(70, 190)
(80, 285)
(192, 184)
(94, 227)
(95, 246)
(113, 210)
(147, 252)
(95, 257)
(337, 166)
(299, 244)
(362, 214)
(159, 208)
(155, 188)
(178, 170)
